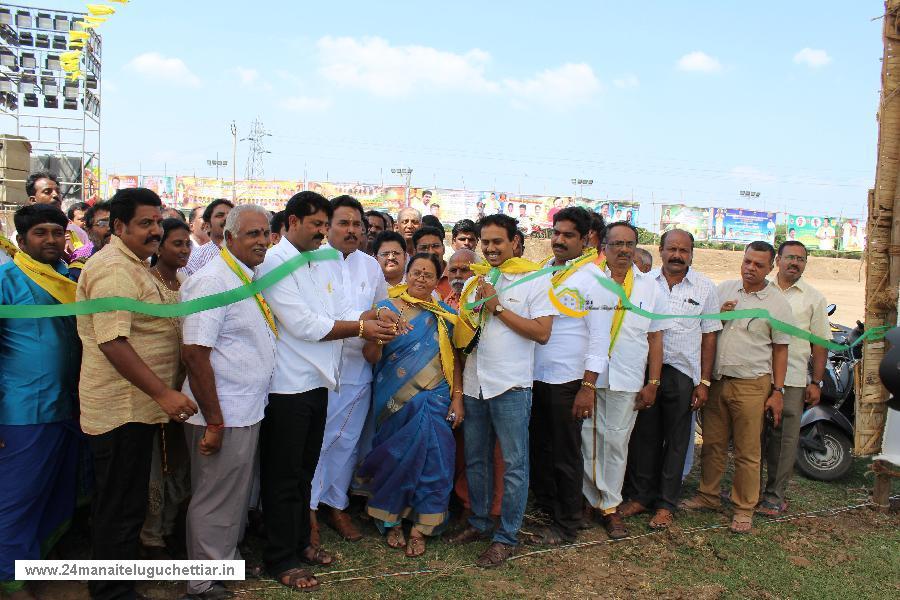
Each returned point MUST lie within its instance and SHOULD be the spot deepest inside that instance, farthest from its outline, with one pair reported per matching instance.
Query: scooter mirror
(830, 309)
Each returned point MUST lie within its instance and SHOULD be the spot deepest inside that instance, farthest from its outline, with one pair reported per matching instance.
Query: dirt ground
(841, 280)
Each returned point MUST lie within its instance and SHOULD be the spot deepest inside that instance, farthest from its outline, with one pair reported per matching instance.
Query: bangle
(655, 382)
(588, 384)
(706, 382)
(378, 312)
(361, 322)
(215, 427)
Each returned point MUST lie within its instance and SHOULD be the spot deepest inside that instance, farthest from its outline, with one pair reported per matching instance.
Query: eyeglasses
(423, 275)
(621, 244)
(390, 254)
(102, 222)
(427, 247)
(795, 258)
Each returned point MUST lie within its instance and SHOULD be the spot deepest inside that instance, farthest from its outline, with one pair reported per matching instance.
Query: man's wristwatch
(780, 390)
(706, 382)
(820, 383)
(655, 382)
(498, 310)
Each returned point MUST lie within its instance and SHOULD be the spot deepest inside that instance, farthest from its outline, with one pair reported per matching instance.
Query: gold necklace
(171, 285)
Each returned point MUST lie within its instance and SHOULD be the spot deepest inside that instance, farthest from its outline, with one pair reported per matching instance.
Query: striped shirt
(200, 255)
(694, 295)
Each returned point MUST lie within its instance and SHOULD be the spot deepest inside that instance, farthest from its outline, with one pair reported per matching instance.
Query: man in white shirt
(199, 236)
(810, 314)
(636, 348)
(312, 315)
(663, 432)
(565, 376)
(214, 217)
(230, 357)
(497, 383)
(361, 280)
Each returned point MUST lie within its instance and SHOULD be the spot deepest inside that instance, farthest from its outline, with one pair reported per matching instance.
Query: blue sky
(662, 101)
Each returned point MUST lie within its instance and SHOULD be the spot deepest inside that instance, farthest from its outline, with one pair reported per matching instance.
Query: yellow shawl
(443, 316)
(59, 286)
(260, 301)
(619, 314)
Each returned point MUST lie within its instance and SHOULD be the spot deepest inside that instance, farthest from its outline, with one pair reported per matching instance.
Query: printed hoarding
(742, 225)
(692, 219)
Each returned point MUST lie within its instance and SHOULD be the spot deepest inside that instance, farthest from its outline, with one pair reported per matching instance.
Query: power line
(255, 159)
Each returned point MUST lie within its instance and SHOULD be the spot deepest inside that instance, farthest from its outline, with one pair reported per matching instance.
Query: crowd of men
(568, 396)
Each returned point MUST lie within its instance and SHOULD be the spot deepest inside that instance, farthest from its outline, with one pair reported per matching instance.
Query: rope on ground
(825, 512)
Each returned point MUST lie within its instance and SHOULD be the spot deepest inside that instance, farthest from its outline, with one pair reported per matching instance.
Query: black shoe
(216, 592)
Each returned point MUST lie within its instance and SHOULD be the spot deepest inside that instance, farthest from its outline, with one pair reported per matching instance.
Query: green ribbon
(875, 333)
(747, 313)
(181, 309)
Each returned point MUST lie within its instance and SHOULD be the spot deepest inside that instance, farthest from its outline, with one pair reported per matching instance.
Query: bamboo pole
(881, 263)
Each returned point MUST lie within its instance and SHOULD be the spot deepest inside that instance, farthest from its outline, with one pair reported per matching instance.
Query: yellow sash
(619, 314)
(469, 322)
(8, 247)
(59, 286)
(443, 316)
(260, 301)
(559, 277)
(74, 241)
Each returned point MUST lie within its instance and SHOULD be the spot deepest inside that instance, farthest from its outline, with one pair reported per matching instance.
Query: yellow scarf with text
(619, 314)
(59, 286)
(469, 322)
(260, 301)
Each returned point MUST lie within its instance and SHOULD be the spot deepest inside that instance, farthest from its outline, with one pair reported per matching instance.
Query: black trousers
(121, 486)
(289, 445)
(659, 443)
(555, 454)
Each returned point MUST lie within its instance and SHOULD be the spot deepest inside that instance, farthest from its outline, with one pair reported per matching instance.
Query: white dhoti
(347, 412)
(604, 446)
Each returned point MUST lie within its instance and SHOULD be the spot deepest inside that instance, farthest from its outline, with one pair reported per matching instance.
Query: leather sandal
(343, 524)
(415, 546)
(316, 556)
(741, 524)
(495, 555)
(631, 508)
(395, 538)
(697, 503)
(662, 519)
(615, 526)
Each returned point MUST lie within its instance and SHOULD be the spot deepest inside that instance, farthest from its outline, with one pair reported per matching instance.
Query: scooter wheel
(830, 464)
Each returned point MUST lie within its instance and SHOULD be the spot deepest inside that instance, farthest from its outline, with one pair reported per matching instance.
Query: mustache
(351, 238)
(675, 261)
(319, 236)
(559, 247)
(152, 238)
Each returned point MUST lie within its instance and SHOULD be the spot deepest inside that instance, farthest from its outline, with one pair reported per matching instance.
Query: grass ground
(829, 554)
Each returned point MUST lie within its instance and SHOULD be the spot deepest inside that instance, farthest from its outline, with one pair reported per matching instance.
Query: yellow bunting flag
(99, 10)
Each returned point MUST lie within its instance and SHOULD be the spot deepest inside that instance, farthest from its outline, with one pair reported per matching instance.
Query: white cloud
(748, 174)
(699, 61)
(247, 76)
(304, 103)
(561, 87)
(154, 65)
(373, 64)
(626, 81)
(812, 58)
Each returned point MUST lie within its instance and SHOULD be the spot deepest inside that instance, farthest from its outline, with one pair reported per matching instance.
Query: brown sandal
(662, 519)
(318, 557)
(741, 524)
(294, 579)
(415, 547)
(395, 538)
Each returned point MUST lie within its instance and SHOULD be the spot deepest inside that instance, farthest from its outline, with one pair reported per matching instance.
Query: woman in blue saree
(417, 402)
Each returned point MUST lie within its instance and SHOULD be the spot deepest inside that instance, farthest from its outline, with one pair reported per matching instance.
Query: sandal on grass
(741, 524)
(771, 509)
(696, 503)
(415, 547)
(299, 579)
(662, 519)
(316, 556)
(395, 538)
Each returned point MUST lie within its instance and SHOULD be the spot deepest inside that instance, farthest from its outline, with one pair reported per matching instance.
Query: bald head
(458, 270)
(408, 220)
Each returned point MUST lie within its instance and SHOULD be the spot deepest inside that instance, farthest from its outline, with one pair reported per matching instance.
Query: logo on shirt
(569, 302)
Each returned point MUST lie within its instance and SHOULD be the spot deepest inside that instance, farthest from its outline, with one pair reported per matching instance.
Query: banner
(200, 191)
(271, 195)
(743, 226)
(613, 210)
(852, 235)
(692, 219)
(164, 186)
(816, 233)
(117, 182)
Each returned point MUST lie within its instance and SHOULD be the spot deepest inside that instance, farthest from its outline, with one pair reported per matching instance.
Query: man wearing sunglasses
(96, 223)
